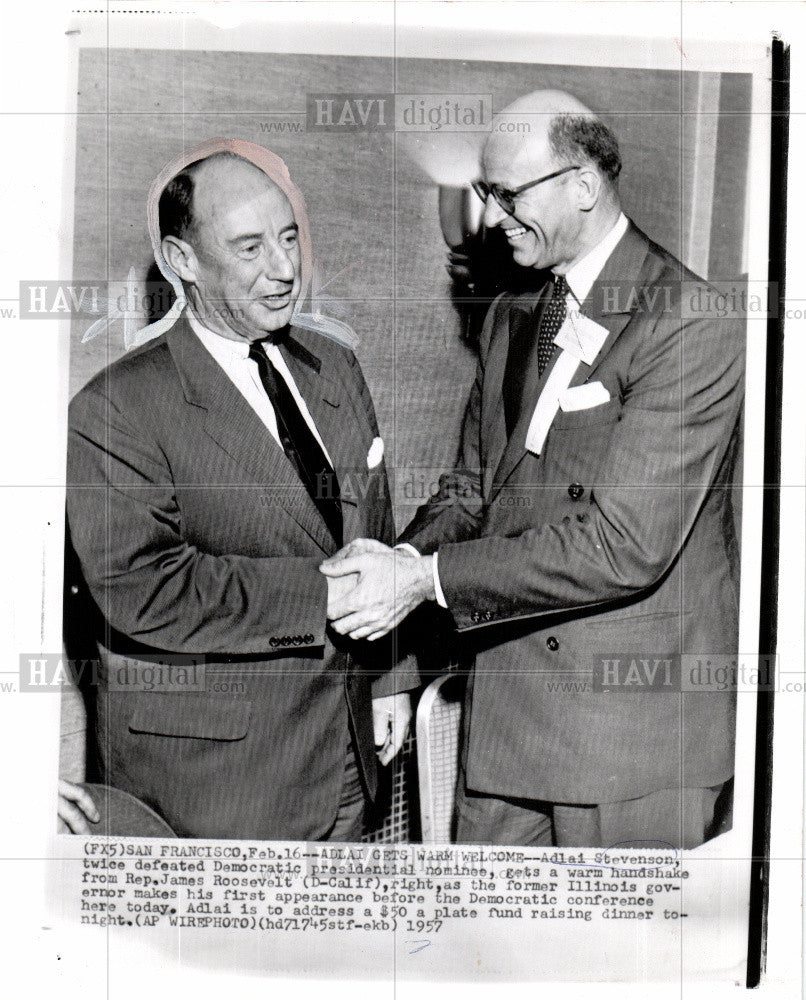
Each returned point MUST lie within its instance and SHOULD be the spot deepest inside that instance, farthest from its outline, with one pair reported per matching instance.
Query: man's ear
(181, 258)
(589, 188)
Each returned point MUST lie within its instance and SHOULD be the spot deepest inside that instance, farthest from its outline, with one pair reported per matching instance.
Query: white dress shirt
(580, 277)
(233, 357)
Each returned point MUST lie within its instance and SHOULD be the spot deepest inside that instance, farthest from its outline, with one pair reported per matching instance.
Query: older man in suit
(204, 475)
(588, 528)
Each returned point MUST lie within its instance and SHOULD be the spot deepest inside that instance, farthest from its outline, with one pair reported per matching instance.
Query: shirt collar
(581, 276)
(222, 348)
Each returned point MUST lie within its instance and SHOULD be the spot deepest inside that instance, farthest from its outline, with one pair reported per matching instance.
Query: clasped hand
(372, 587)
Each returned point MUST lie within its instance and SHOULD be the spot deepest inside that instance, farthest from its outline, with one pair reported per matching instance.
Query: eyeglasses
(505, 197)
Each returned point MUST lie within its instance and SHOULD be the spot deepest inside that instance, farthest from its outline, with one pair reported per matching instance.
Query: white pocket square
(583, 397)
(375, 453)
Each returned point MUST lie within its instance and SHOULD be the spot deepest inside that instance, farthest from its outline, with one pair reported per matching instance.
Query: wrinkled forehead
(231, 194)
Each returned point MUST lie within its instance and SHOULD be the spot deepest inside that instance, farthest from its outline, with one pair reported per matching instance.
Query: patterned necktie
(301, 446)
(550, 323)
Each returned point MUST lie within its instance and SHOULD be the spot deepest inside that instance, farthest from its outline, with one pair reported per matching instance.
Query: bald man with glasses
(585, 541)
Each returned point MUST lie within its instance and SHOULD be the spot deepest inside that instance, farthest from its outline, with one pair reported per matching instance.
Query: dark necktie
(550, 323)
(300, 445)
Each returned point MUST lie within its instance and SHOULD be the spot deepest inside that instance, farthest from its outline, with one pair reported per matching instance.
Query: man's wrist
(427, 564)
(432, 591)
(425, 578)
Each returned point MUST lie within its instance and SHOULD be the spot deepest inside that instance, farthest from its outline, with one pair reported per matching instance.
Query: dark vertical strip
(730, 176)
(771, 515)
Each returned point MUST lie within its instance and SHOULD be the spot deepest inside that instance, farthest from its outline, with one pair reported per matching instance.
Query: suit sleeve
(680, 409)
(147, 580)
(454, 512)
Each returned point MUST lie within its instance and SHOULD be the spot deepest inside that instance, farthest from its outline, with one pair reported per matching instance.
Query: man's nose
(278, 264)
(493, 213)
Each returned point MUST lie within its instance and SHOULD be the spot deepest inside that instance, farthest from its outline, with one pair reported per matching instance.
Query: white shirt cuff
(438, 586)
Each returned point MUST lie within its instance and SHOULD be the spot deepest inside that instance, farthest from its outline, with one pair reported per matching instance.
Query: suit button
(552, 644)
(575, 491)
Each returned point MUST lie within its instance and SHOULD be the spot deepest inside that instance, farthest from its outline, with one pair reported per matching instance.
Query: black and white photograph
(413, 592)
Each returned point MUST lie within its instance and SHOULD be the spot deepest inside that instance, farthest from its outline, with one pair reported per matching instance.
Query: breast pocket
(604, 414)
(651, 635)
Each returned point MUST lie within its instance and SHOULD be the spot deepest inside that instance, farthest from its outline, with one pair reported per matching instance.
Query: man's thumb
(340, 567)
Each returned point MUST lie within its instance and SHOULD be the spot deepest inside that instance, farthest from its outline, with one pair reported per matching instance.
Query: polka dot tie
(550, 323)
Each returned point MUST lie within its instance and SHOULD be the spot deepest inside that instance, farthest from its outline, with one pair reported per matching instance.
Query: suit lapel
(341, 420)
(614, 296)
(329, 403)
(493, 437)
(323, 395)
(610, 309)
(232, 423)
(520, 356)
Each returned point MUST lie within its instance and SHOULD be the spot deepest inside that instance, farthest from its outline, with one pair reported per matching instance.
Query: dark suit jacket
(196, 537)
(616, 541)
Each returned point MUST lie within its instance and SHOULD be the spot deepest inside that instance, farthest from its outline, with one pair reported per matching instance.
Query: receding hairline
(554, 119)
(226, 161)
(531, 136)
(199, 168)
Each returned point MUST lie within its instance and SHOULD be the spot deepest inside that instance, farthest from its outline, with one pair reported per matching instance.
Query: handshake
(372, 587)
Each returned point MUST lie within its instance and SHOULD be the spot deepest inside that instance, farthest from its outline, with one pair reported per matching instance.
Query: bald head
(552, 126)
(193, 193)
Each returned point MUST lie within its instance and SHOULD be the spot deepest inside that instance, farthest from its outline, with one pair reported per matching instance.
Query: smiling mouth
(279, 299)
(514, 233)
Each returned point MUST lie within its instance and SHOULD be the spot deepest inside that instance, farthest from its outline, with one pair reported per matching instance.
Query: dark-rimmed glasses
(506, 197)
